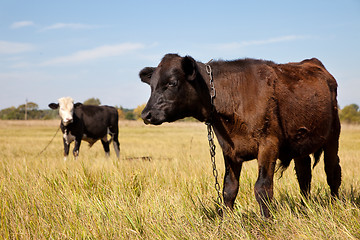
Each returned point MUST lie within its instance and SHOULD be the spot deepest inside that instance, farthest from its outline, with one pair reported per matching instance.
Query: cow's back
(306, 96)
(97, 119)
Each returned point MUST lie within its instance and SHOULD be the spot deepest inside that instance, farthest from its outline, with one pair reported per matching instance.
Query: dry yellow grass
(169, 197)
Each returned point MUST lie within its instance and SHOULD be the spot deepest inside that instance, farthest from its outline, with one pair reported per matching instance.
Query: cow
(89, 123)
(258, 110)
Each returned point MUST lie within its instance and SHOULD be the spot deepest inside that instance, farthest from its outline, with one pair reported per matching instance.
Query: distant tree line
(124, 113)
(31, 110)
(28, 111)
(349, 114)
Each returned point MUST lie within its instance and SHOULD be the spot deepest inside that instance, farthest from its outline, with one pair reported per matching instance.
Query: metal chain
(211, 134)
(212, 155)
(212, 87)
(48, 143)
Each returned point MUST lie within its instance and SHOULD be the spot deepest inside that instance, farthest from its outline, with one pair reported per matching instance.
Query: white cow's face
(66, 110)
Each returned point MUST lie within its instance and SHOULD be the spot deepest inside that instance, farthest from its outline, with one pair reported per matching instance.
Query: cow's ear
(53, 105)
(188, 65)
(146, 73)
(78, 104)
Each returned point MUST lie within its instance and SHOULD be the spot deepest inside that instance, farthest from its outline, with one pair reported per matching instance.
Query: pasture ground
(161, 188)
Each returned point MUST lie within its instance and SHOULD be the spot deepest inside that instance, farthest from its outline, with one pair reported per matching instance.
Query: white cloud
(95, 53)
(20, 65)
(14, 47)
(69, 26)
(235, 45)
(21, 24)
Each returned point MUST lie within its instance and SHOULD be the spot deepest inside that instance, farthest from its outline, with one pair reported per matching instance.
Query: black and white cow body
(89, 123)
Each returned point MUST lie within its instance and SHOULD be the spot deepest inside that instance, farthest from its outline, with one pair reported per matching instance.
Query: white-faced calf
(89, 123)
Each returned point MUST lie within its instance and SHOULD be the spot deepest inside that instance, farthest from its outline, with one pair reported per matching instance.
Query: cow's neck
(222, 114)
(223, 101)
(202, 110)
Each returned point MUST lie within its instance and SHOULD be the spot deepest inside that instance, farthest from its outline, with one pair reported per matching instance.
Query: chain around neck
(212, 88)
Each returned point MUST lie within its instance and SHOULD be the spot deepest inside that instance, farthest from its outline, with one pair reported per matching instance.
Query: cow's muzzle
(67, 121)
(146, 117)
(151, 118)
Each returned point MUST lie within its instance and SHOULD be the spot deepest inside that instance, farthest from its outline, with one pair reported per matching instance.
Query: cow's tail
(284, 163)
(317, 156)
(282, 166)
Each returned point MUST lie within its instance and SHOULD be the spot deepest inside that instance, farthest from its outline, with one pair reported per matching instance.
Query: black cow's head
(173, 90)
(66, 110)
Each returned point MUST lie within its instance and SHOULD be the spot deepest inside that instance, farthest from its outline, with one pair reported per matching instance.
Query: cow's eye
(172, 83)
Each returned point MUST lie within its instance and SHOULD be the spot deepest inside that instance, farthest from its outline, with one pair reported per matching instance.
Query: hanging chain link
(212, 87)
(212, 155)
(211, 133)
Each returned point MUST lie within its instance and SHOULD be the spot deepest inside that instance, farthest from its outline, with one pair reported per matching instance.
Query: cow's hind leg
(114, 133)
(303, 173)
(331, 158)
(106, 147)
(332, 166)
(116, 145)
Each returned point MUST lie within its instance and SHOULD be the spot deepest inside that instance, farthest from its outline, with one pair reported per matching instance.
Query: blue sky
(84, 49)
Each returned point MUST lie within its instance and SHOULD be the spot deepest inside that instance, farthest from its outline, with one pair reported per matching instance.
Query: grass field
(161, 188)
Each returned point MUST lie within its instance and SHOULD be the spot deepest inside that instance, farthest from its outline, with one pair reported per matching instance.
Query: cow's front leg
(77, 148)
(268, 153)
(231, 181)
(66, 148)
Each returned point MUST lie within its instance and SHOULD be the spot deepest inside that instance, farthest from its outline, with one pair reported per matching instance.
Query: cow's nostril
(146, 117)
